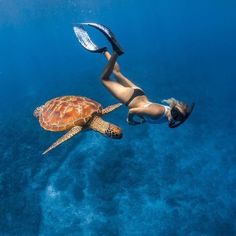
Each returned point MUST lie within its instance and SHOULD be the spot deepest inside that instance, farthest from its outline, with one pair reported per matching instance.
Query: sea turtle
(74, 114)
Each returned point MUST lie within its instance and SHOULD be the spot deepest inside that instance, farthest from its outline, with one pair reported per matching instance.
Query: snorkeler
(175, 113)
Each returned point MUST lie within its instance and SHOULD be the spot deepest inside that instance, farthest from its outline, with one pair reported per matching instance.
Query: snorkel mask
(178, 117)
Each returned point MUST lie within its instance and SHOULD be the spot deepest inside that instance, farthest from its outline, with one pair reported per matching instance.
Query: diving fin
(85, 40)
(109, 35)
(107, 32)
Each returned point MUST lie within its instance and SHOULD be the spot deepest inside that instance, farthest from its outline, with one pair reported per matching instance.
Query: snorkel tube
(88, 44)
(174, 124)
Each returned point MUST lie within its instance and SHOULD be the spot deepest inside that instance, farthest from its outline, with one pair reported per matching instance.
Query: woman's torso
(143, 102)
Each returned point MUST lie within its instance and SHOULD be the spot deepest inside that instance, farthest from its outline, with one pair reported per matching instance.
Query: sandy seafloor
(155, 181)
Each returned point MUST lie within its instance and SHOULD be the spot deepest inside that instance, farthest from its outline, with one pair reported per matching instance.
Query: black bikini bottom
(137, 92)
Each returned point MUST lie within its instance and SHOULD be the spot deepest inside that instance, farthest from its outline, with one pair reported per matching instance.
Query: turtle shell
(65, 112)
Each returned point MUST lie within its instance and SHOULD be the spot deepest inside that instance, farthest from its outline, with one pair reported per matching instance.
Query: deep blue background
(155, 181)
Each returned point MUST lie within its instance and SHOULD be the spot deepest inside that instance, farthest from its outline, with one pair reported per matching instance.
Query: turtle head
(113, 131)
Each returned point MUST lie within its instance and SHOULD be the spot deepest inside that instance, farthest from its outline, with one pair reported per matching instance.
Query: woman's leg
(117, 89)
(120, 77)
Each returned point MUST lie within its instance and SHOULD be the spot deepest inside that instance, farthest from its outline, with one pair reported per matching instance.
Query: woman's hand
(130, 119)
(134, 122)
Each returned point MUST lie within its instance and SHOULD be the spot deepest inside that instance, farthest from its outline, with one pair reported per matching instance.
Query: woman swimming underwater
(175, 113)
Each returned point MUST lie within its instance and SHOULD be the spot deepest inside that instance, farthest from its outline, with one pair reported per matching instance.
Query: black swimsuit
(137, 92)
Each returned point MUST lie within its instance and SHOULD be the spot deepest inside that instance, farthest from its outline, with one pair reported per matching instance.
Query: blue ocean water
(155, 181)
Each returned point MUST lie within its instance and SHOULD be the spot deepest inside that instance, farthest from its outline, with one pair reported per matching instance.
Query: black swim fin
(85, 40)
(108, 34)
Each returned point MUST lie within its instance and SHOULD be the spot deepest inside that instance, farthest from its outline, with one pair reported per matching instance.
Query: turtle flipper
(111, 108)
(75, 130)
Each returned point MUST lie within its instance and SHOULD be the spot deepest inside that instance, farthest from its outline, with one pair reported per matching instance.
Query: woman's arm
(154, 111)
(131, 114)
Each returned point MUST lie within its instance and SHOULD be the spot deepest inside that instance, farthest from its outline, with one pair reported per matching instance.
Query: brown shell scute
(65, 112)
